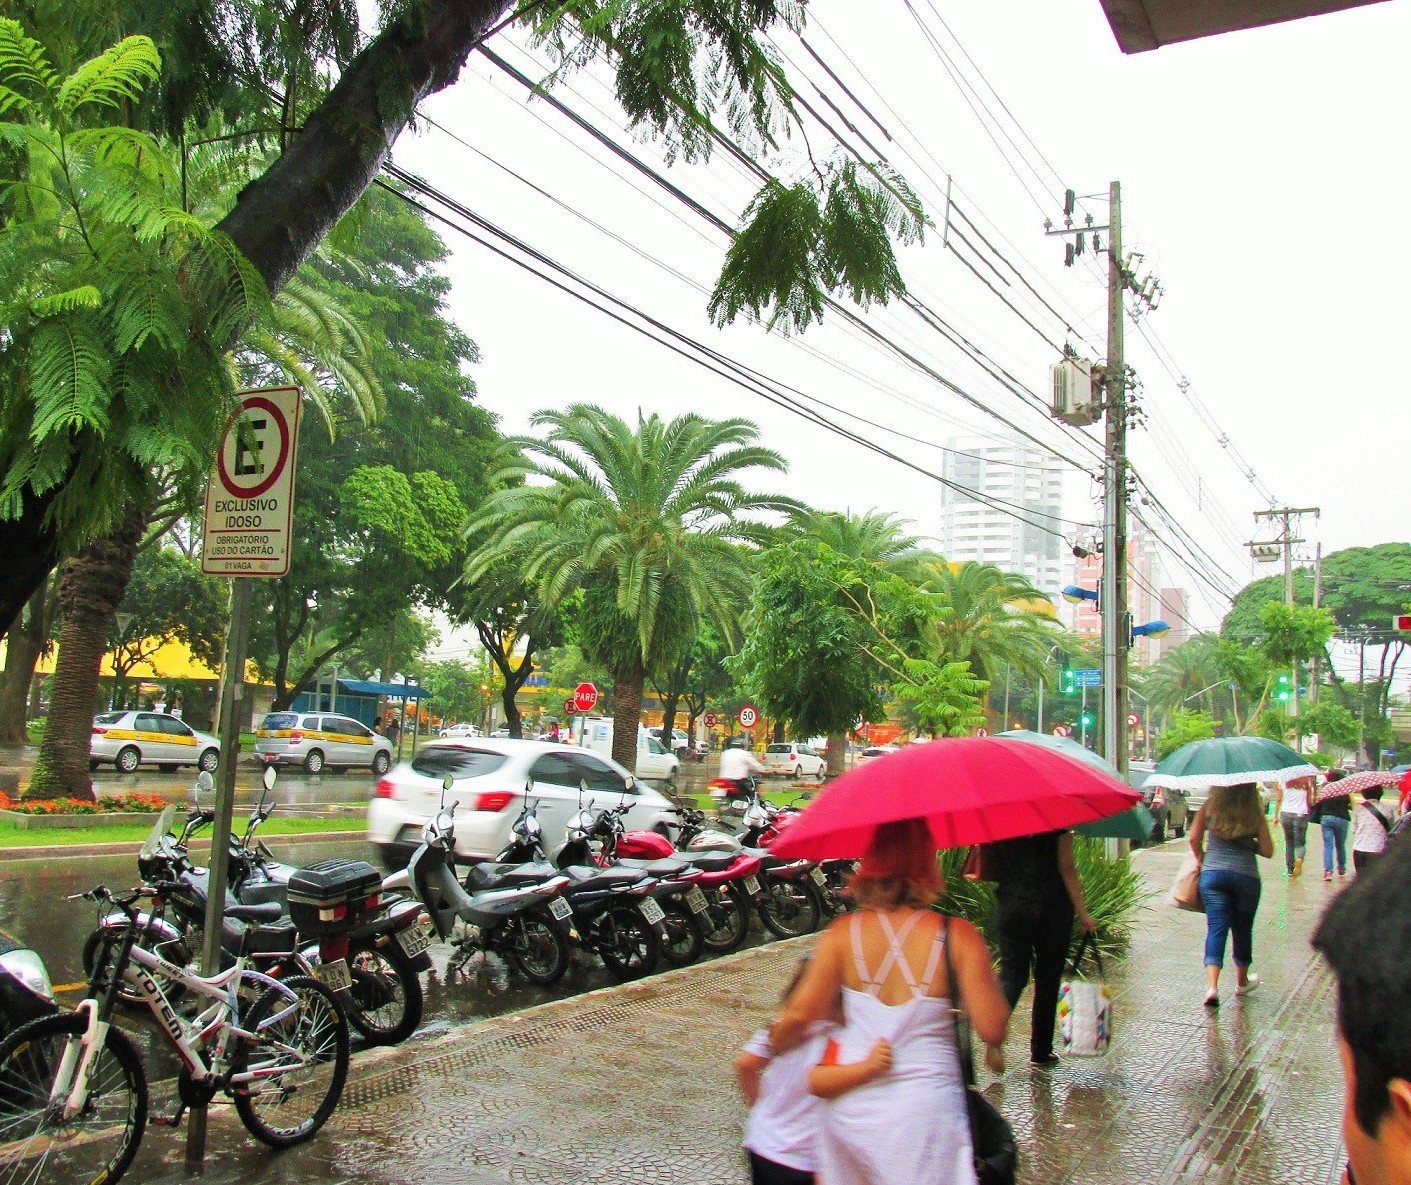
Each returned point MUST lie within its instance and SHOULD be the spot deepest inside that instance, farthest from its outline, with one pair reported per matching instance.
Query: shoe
(1249, 985)
(1212, 1001)
(1327, 878)
(1298, 866)
(1047, 1062)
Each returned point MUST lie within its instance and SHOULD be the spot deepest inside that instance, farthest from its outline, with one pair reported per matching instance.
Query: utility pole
(1287, 516)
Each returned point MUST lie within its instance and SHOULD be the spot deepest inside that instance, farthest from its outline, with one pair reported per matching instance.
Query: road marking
(71, 987)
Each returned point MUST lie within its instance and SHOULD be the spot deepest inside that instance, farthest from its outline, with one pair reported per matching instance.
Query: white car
(679, 740)
(872, 752)
(491, 777)
(793, 760)
(319, 741)
(459, 730)
(129, 739)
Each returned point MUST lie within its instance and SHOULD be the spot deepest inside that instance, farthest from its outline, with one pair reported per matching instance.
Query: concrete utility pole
(1287, 517)
(1116, 634)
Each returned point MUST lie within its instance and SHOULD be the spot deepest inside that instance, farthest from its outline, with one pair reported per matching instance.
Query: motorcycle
(524, 922)
(26, 992)
(614, 914)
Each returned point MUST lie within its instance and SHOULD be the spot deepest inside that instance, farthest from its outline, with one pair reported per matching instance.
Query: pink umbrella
(969, 789)
(1357, 783)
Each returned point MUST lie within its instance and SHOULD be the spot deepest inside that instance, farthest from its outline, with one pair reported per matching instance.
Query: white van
(654, 763)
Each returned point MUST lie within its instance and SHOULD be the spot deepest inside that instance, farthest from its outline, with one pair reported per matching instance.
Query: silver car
(130, 739)
(321, 740)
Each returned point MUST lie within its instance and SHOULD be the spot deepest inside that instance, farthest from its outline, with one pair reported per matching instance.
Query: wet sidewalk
(632, 1085)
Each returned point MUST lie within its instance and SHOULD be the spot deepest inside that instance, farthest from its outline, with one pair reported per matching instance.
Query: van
(654, 763)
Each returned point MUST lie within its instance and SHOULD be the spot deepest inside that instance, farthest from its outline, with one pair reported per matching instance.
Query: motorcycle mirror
(628, 783)
(269, 777)
(205, 785)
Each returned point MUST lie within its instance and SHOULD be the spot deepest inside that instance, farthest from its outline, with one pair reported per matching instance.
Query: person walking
(1293, 815)
(1229, 831)
(1333, 817)
(1038, 893)
(1371, 828)
(905, 1117)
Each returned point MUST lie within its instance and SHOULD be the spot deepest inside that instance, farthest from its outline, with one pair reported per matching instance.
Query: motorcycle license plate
(751, 885)
(335, 975)
(415, 939)
(652, 911)
(561, 909)
(818, 877)
(696, 899)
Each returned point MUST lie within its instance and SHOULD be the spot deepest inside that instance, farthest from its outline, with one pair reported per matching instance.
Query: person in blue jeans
(1334, 816)
(1229, 831)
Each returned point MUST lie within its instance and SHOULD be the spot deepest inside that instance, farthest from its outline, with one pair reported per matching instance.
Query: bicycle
(73, 1090)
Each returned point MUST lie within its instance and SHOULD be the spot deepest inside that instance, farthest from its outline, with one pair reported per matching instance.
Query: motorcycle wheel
(790, 908)
(385, 1002)
(627, 943)
(536, 946)
(835, 895)
(685, 933)
(727, 921)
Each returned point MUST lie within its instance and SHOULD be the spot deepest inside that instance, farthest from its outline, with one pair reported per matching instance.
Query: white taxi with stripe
(321, 740)
(131, 739)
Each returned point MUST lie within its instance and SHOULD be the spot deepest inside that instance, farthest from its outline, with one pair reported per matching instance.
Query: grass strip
(12, 836)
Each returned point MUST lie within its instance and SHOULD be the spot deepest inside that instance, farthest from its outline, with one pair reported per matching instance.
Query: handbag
(1085, 1008)
(980, 863)
(991, 1137)
(1185, 889)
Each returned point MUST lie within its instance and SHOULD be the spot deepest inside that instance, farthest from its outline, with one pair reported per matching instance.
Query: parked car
(654, 763)
(491, 778)
(872, 752)
(1170, 808)
(129, 739)
(319, 740)
(794, 760)
(680, 742)
(459, 730)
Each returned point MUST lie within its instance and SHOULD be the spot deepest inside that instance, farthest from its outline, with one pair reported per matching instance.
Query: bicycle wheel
(95, 1147)
(288, 1080)
(387, 1000)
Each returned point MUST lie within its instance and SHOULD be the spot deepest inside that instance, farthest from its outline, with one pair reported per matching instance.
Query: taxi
(127, 740)
(319, 741)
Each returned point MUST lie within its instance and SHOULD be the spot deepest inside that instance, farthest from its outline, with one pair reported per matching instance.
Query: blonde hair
(899, 870)
(1234, 812)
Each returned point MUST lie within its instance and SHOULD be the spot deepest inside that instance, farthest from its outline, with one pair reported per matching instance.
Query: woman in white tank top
(885, 962)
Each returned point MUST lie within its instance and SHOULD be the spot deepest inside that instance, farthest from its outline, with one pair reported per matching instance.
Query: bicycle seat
(265, 911)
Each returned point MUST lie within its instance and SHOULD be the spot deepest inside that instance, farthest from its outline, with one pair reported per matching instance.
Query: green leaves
(119, 73)
(943, 699)
(23, 68)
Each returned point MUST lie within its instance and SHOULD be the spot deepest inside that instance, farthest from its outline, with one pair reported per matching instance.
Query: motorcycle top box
(333, 896)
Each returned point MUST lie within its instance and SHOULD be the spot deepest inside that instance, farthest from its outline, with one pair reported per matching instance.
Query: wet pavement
(632, 1084)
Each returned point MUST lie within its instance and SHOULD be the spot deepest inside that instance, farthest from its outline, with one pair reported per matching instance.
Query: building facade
(1147, 600)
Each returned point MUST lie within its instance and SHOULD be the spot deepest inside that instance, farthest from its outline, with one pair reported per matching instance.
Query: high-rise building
(1022, 529)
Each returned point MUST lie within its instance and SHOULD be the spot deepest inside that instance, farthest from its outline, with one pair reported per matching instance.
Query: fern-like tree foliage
(118, 303)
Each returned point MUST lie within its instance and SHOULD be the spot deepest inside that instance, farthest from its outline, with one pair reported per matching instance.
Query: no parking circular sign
(749, 716)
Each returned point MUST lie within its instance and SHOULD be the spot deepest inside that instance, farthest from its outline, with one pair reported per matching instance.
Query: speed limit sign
(749, 717)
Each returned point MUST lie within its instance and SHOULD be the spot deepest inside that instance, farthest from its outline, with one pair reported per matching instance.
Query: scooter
(26, 992)
(525, 923)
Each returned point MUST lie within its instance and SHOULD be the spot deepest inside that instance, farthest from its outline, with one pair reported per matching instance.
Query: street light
(1075, 594)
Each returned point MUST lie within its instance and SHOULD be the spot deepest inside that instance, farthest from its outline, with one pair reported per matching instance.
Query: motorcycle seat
(585, 877)
(666, 866)
(710, 861)
(492, 875)
(264, 911)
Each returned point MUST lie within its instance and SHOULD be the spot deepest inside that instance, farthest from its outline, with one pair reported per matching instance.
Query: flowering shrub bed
(116, 804)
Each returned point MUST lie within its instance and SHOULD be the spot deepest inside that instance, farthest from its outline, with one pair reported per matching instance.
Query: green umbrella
(1229, 761)
(1135, 823)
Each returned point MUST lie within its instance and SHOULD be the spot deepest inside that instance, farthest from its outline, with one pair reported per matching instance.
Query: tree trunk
(668, 719)
(627, 684)
(91, 586)
(837, 753)
(513, 720)
(24, 644)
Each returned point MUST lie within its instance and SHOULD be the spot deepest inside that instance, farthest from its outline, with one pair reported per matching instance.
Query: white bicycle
(73, 1091)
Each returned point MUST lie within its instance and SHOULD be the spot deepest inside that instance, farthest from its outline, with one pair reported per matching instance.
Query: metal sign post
(248, 514)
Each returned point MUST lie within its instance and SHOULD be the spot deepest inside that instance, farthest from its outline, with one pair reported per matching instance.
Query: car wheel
(128, 759)
(798, 771)
(381, 763)
(208, 762)
(313, 763)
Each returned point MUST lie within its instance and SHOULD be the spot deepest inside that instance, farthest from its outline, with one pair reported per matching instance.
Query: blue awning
(396, 690)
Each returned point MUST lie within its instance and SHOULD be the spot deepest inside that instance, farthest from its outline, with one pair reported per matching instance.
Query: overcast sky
(1264, 179)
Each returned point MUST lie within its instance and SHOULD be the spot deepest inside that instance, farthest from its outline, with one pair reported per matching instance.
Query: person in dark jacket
(1038, 894)
(1334, 816)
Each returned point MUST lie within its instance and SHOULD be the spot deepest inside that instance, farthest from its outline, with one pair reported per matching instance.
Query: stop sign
(585, 697)
(711, 719)
(749, 716)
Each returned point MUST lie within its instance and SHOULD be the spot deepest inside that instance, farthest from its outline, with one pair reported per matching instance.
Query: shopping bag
(1085, 1008)
(1185, 889)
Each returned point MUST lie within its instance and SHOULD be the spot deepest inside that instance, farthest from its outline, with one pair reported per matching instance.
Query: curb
(132, 847)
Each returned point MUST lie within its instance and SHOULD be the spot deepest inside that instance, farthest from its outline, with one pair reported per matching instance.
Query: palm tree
(989, 618)
(648, 521)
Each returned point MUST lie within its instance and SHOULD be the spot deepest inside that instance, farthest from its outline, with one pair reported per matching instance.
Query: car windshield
(777, 749)
(280, 720)
(438, 761)
(109, 717)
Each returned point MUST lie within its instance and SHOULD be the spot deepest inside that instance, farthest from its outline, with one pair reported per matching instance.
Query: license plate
(696, 899)
(751, 886)
(561, 909)
(415, 939)
(652, 911)
(335, 975)
(818, 877)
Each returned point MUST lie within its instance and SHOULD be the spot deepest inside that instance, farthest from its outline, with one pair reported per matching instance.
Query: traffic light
(1282, 692)
(1087, 719)
(1069, 684)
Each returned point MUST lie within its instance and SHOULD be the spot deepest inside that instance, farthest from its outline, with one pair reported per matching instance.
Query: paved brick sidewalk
(632, 1084)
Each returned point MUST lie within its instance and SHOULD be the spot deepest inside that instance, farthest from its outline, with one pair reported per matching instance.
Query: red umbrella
(969, 789)
(1357, 783)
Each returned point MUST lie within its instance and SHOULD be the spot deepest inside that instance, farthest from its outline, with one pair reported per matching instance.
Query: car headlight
(29, 969)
